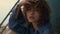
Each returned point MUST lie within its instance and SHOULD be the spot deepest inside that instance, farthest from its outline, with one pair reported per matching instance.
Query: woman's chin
(31, 21)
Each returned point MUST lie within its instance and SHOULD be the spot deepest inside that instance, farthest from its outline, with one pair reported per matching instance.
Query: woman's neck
(35, 25)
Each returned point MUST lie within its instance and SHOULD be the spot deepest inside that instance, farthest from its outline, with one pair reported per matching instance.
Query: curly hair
(41, 4)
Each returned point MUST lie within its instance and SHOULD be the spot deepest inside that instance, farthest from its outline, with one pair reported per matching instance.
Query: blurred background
(6, 6)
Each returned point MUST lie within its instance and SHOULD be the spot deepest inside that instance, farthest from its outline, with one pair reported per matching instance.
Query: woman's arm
(16, 25)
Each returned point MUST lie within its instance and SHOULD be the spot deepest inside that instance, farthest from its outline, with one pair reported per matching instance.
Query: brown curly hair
(41, 4)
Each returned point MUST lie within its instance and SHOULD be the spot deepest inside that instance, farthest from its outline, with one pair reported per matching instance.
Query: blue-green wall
(55, 12)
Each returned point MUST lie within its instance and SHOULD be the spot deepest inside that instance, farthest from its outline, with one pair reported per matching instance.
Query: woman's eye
(28, 11)
(28, 8)
(35, 10)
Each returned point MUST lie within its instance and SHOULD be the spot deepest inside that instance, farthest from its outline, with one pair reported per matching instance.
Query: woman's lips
(31, 17)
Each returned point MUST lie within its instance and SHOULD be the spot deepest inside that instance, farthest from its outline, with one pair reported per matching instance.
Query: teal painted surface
(55, 11)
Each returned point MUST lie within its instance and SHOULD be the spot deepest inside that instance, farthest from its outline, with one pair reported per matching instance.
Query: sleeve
(48, 32)
(16, 25)
(45, 30)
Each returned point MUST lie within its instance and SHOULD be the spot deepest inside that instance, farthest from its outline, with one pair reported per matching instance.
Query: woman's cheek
(36, 16)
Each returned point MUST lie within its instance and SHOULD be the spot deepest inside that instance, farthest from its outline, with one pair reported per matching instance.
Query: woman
(30, 17)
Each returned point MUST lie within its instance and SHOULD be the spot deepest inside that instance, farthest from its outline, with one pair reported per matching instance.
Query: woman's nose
(32, 13)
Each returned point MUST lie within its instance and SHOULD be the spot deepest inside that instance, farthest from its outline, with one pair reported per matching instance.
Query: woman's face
(32, 15)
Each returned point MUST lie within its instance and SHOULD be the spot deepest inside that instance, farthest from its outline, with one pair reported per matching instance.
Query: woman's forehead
(25, 2)
(29, 7)
(28, 1)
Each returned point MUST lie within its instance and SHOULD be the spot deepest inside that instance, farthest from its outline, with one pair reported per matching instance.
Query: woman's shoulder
(46, 29)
